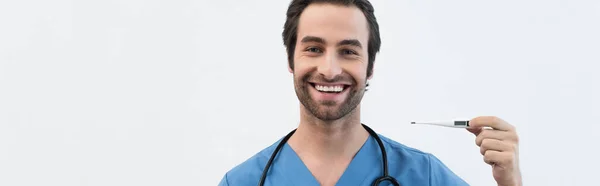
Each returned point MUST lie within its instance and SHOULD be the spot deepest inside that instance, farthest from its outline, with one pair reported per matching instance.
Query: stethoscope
(385, 177)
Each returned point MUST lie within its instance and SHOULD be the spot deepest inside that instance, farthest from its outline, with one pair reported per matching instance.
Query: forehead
(333, 23)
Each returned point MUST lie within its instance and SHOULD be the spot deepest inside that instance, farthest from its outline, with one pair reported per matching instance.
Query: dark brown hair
(290, 29)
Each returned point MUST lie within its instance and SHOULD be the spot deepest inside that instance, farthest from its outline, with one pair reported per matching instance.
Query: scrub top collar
(289, 165)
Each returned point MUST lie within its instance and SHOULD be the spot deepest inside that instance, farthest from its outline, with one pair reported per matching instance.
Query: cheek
(300, 70)
(303, 66)
(357, 70)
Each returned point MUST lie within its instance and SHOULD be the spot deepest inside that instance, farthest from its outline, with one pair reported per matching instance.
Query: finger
(502, 159)
(492, 134)
(475, 131)
(490, 121)
(495, 145)
(490, 157)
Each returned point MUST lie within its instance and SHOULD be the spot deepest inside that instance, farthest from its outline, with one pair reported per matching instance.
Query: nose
(330, 68)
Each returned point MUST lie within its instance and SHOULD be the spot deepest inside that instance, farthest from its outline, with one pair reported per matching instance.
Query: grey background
(131, 92)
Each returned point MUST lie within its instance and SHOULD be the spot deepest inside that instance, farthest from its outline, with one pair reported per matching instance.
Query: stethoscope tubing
(385, 177)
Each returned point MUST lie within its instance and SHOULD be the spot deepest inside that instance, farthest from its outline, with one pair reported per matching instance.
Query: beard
(327, 110)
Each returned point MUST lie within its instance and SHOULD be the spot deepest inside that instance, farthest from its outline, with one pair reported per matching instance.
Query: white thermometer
(457, 123)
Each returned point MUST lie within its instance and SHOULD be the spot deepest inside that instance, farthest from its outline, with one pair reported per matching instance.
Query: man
(331, 47)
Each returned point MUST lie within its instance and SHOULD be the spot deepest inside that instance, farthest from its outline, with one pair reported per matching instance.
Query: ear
(371, 76)
(290, 66)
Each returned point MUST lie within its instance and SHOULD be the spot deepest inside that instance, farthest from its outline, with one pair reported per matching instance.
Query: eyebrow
(308, 39)
(351, 42)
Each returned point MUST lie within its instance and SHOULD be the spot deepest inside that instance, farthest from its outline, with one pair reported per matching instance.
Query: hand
(499, 147)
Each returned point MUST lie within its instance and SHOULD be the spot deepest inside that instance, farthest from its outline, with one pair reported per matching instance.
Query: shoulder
(398, 151)
(399, 147)
(249, 171)
(419, 163)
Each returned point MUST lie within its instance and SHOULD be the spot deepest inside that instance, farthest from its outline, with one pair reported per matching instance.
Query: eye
(348, 52)
(313, 50)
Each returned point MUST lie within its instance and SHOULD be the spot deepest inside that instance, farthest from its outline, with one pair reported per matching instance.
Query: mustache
(320, 78)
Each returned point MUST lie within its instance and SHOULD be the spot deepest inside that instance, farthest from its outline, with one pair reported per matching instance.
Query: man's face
(330, 59)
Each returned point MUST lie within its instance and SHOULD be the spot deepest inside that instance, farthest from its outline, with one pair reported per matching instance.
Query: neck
(340, 138)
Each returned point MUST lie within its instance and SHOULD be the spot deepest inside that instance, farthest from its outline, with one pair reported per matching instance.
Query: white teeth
(322, 88)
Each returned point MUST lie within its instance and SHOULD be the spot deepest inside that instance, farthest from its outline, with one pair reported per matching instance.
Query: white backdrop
(132, 92)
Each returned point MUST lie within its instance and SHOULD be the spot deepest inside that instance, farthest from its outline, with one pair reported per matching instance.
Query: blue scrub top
(408, 165)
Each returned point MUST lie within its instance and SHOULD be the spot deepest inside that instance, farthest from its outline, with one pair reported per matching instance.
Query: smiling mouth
(329, 88)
